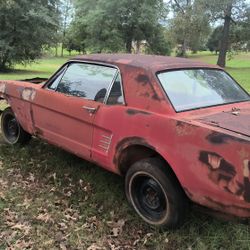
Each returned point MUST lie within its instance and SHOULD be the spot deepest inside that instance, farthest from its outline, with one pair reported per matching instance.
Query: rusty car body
(206, 150)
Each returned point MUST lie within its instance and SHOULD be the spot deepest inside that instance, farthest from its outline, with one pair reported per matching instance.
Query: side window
(116, 96)
(57, 79)
(87, 80)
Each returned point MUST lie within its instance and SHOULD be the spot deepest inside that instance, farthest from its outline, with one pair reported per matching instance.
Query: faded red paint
(208, 149)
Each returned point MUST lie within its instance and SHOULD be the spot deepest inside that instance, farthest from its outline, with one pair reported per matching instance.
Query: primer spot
(2, 88)
(28, 94)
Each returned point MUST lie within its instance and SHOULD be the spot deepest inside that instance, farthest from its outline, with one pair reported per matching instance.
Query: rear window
(199, 88)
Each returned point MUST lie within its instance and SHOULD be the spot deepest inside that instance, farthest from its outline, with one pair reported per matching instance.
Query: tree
(189, 26)
(115, 25)
(230, 11)
(66, 10)
(236, 41)
(26, 27)
(246, 29)
(213, 43)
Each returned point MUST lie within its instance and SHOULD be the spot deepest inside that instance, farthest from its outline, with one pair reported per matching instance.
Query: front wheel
(155, 193)
(12, 131)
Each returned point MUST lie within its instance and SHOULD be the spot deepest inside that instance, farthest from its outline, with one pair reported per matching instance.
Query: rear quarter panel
(19, 96)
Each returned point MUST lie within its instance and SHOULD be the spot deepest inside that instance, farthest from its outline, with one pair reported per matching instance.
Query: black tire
(155, 193)
(12, 131)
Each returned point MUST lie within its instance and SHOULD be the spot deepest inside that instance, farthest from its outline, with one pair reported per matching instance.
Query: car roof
(152, 62)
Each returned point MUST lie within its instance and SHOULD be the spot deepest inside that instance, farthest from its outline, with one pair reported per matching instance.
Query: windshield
(198, 88)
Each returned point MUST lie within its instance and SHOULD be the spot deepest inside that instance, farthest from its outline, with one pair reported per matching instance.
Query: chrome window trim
(124, 102)
(110, 88)
(111, 83)
(55, 76)
(65, 66)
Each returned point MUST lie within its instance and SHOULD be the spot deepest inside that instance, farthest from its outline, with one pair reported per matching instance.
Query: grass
(42, 68)
(50, 199)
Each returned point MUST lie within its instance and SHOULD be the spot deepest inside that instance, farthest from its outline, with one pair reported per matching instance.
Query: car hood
(236, 120)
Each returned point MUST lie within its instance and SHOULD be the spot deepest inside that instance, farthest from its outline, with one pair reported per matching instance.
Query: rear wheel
(155, 193)
(12, 131)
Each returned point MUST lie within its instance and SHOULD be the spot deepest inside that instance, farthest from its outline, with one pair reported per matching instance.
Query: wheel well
(136, 153)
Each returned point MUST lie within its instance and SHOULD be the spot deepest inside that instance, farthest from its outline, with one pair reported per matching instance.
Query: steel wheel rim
(11, 128)
(148, 198)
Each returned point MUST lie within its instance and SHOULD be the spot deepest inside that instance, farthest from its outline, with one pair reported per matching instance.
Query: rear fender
(19, 96)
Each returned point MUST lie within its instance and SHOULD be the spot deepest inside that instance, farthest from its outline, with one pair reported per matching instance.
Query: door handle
(91, 110)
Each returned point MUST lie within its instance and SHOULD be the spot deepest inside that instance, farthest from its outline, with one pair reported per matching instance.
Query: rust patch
(127, 142)
(225, 208)
(124, 61)
(155, 63)
(156, 97)
(38, 132)
(220, 138)
(184, 129)
(144, 79)
(136, 112)
(146, 94)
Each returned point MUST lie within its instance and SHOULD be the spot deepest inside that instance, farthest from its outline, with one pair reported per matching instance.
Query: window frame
(65, 67)
(110, 89)
(197, 68)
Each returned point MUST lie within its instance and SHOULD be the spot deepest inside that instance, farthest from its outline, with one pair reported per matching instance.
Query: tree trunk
(56, 50)
(138, 47)
(225, 37)
(2, 66)
(3, 62)
(184, 49)
(62, 50)
(129, 45)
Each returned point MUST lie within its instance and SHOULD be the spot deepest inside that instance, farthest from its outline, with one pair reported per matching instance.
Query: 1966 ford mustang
(178, 130)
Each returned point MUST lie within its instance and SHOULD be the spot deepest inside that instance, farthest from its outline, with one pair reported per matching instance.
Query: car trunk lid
(236, 120)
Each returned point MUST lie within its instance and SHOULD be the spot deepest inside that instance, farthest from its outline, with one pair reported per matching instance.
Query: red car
(178, 130)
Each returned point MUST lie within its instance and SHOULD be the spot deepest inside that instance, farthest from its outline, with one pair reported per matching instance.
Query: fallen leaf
(45, 217)
(22, 227)
(62, 246)
(117, 227)
(2, 196)
(146, 238)
(95, 247)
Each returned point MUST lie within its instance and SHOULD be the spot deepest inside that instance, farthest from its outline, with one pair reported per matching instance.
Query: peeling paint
(223, 174)
(126, 143)
(136, 112)
(184, 129)
(144, 79)
(221, 138)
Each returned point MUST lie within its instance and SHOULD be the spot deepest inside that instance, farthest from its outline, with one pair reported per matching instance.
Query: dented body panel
(208, 149)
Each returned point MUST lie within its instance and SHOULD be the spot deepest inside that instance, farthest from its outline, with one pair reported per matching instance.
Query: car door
(64, 109)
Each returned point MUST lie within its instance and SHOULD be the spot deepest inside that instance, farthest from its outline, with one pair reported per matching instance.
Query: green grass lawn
(50, 199)
(42, 68)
